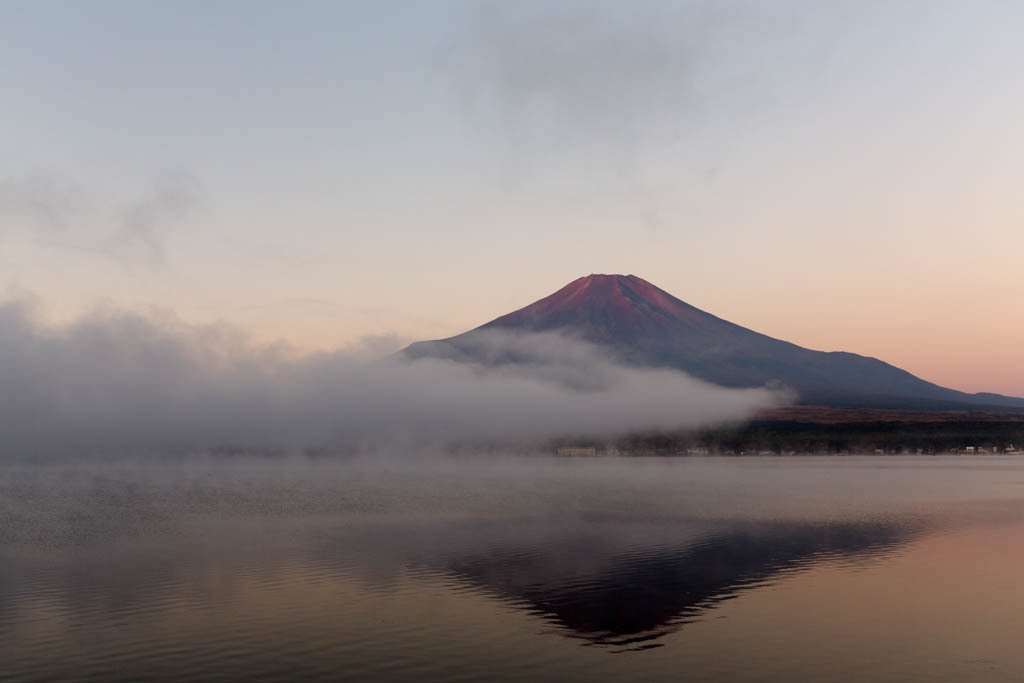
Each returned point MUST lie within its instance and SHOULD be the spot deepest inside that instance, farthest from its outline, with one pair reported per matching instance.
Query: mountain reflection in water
(811, 569)
(623, 586)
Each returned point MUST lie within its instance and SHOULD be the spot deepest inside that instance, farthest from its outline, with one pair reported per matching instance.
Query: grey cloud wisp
(578, 74)
(116, 383)
(55, 209)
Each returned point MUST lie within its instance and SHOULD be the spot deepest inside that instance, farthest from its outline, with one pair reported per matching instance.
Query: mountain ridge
(642, 324)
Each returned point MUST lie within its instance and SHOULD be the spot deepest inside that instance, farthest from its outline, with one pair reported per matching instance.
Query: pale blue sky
(838, 174)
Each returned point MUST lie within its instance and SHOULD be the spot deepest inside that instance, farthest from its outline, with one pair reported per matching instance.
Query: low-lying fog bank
(115, 383)
(72, 502)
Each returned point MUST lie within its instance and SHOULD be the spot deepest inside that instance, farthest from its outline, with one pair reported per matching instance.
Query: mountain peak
(616, 310)
(605, 277)
(600, 285)
(641, 324)
(598, 281)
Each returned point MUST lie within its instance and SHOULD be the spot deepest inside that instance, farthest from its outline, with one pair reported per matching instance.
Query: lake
(417, 568)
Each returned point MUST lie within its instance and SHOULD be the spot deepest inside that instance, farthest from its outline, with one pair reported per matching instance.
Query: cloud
(56, 209)
(584, 97)
(45, 203)
(577, 74)
(121, 384)
(142, 223)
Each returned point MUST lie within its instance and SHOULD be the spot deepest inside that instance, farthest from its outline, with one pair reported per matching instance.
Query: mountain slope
(644, 325)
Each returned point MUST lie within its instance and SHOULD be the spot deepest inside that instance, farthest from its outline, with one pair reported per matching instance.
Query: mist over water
(504, 568)
(128, 384)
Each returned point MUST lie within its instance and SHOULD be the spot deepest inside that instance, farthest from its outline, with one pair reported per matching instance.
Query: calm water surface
(732, 569)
